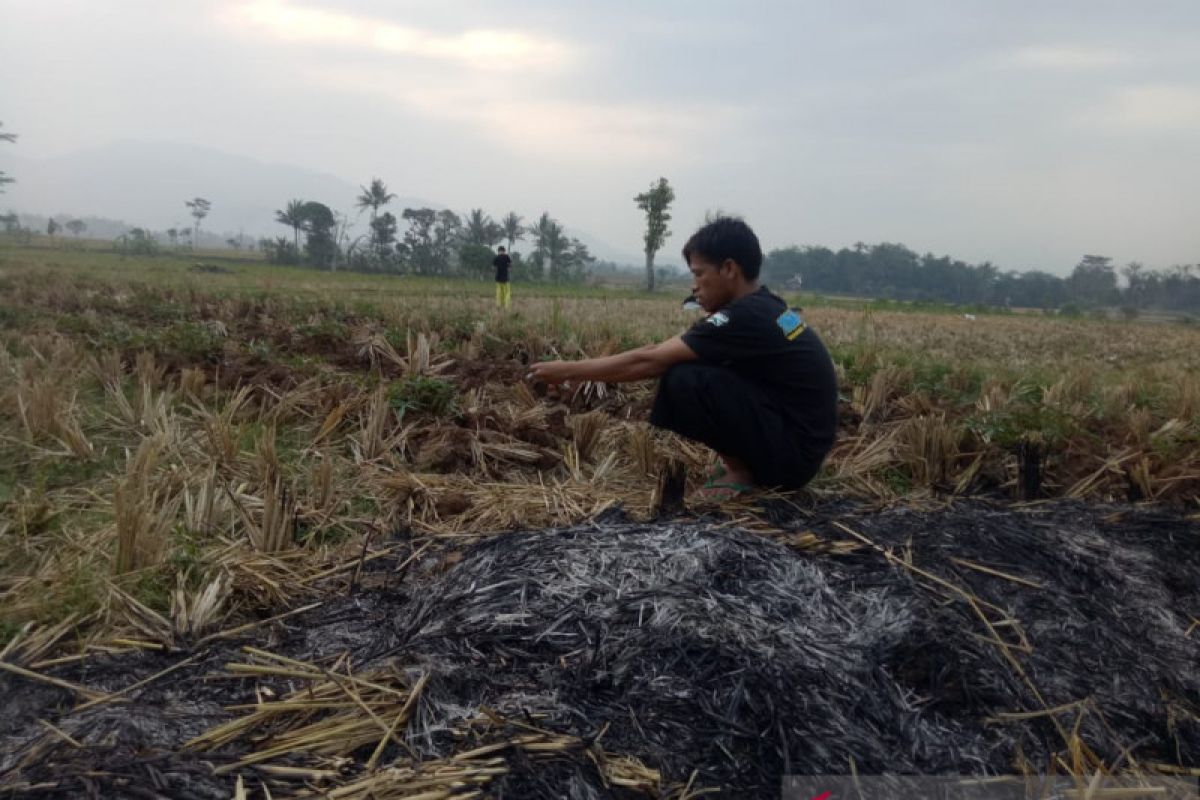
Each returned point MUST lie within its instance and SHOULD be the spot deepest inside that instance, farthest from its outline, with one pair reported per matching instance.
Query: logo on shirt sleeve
(791, 323)
(718, 319)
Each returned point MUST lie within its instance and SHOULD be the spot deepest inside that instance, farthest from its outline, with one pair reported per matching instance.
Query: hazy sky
(1025, 133)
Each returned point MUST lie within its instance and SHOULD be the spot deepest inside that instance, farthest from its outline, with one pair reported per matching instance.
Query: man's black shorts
(716, 406)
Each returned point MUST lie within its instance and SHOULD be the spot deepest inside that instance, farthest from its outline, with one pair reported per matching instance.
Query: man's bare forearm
(632, 365)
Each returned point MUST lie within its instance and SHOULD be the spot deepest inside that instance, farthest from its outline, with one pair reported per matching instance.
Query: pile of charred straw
(618, 659)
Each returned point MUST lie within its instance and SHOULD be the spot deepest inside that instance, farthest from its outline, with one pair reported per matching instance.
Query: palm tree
(374, 197)
(292, 216)
(539, 231)
(557, 248)
(513, 230)
(550, 243)
(199, 209)
(578, 259)
(475, 227)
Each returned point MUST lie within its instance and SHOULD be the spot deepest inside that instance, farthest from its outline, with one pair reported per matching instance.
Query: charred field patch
(626, 659)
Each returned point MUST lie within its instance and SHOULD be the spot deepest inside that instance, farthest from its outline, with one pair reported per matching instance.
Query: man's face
(712, 284)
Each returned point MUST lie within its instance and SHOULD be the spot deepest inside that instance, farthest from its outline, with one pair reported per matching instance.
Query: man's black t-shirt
(502, 262)
(762, 340)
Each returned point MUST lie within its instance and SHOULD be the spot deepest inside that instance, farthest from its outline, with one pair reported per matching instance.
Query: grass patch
(425, 395)
(191, 341)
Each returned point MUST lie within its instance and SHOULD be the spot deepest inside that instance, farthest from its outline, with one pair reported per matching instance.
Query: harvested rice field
(277, 533)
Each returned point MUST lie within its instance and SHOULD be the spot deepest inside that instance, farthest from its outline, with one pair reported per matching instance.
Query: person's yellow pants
(503, 295)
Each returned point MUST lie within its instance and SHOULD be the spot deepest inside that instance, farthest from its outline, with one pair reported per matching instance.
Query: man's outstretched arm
(632, 365)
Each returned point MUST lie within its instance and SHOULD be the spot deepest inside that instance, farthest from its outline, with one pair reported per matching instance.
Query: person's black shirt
(502, 262)
(762, 340)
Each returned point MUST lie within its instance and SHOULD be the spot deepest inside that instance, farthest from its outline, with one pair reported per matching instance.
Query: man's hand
(551, 372)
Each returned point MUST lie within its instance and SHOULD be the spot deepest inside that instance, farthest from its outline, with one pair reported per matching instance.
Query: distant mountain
(146, 184)
(606, 252)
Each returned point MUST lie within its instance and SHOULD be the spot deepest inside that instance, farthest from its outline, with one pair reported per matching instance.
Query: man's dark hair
(501, 248)
(726, 237)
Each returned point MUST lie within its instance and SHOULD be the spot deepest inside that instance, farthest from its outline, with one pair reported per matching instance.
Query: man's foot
(723, 491)
(729, 478)
(715, 474)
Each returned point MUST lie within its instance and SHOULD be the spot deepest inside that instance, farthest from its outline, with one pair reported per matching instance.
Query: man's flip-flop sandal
(717, 473)
(724, 492)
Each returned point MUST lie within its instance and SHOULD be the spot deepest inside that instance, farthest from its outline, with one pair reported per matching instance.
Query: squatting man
(751, 380)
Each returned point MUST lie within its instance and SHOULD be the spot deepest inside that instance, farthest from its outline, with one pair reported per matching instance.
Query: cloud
(539, 122)
(536, 95)
(1152, 108)
(489, 49)
(1067, 57)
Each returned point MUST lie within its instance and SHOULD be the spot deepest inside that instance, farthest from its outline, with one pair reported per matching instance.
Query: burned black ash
(695, 647)
(706, 648)
(969, 639)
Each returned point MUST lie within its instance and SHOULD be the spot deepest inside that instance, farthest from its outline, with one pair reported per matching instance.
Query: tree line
(432, 242)
(442, 242)
(895, 272)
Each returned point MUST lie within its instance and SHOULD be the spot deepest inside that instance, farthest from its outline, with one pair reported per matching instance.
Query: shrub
(193, 341)
(424, 394)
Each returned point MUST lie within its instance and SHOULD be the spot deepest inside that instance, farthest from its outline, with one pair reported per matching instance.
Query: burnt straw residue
(700, 647)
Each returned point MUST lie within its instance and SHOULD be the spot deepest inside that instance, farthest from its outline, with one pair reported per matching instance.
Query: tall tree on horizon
(550, 244)
(578, 259)
(374, 197)
(514, 231)
(1094, 280)
(341, 238)
(319, 226)
(479, 229)
(418, 239)
(383, 234)
(199, 209)
(292, 216)
(447, 232)
(656, 202)
(558, 246)
(539, 231)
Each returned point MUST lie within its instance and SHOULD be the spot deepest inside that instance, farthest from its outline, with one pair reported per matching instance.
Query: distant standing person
(751, 380)
(502, 263)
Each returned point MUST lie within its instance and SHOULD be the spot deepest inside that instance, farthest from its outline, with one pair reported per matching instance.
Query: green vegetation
(894, 272)
(419, 393)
